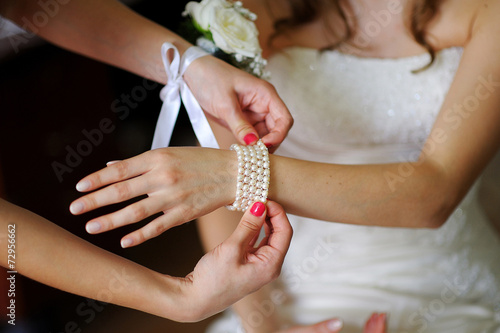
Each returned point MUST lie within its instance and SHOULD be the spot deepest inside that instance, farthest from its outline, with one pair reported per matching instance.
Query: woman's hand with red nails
(238, 267)
(181, 183)
(239, 101)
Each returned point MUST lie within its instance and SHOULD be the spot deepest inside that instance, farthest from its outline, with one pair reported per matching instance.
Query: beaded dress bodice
(343, 104)
(352, 110)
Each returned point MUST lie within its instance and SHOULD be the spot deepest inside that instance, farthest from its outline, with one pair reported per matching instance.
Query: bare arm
(110, 32)
(107, 31)
(53, 256)
(463, 140)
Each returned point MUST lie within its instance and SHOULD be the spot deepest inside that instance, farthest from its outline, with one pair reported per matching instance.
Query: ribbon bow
(171, 96)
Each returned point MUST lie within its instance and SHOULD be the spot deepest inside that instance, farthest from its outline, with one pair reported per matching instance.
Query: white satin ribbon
(171, 96)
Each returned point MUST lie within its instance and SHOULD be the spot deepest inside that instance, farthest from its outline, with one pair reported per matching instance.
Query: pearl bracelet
(253, 175)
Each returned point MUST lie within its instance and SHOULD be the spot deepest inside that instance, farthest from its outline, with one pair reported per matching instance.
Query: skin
(450, 35)
(45, 252)
(441, 177)
(108, 31)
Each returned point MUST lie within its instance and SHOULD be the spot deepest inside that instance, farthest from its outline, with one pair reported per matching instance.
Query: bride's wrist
(230, 176)
(253, 175)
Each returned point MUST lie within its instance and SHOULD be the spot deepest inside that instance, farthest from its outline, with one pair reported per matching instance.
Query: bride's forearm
(53, 256)
(413, 195)
(105, 30)
(398, 195)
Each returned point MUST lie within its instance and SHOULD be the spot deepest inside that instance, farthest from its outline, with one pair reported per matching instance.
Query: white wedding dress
(351, 110)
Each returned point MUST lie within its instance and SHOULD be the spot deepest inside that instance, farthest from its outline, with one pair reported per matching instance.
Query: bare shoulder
(486, 17)
(455, 21)
(484, 42)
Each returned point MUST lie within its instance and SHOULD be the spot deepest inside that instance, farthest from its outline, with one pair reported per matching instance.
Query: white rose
(233, 33)
(203, 12)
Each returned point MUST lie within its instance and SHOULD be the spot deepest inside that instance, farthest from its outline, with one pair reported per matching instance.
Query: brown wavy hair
(306, 11)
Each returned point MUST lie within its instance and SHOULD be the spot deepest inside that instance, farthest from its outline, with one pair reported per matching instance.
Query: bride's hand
(239, 101)
(375, 324)
(237, 267)
(183, 183)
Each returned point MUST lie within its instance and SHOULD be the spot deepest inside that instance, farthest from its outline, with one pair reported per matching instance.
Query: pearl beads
(253, 175)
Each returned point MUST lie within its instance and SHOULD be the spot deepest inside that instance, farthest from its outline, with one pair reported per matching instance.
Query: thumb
(240, 127)
(250, 225)
(376, 324)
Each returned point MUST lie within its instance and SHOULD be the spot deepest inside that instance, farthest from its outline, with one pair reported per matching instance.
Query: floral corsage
(227, 30)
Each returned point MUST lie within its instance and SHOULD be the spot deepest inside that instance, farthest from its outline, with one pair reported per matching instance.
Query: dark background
(48, 96)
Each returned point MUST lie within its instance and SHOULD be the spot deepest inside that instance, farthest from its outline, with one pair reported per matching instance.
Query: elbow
(435, 209)
(435, 197)
(437, 215)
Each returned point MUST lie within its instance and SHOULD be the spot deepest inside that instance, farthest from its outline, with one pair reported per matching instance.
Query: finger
(112, 194)
(135, 212)
(261, 129)
(283, 121)
(113, 173)
(328, 326)
(275, 136)
(241, 128)
(376, 323)
(112, 162)
(254, 117)
(267, 233)
(249, 226)
(281, 230)
(154, 228)
(254, 240)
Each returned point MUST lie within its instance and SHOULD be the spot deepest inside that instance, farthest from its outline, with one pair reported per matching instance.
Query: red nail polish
(268, 145)
(258, 209)
(250, 138)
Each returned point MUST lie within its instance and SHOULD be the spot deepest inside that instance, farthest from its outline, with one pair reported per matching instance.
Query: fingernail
(93, 227)
(83, 186)
(126, 242)
(258, 209)
(334, 325)
(76, 207)
(268, 145)
(111, 163)
(250, 138)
